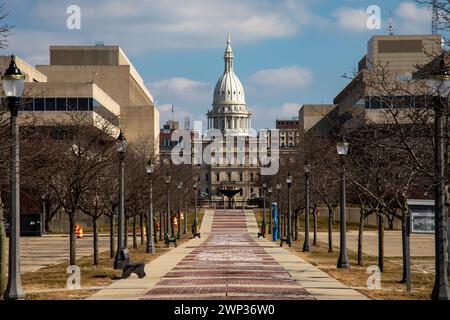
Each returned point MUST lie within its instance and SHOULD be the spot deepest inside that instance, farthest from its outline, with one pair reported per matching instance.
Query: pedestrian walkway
(229, 262)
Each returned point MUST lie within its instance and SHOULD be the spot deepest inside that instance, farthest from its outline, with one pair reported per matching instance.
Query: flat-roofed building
(109, 72)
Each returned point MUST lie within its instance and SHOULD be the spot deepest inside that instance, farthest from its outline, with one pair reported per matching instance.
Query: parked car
(30, 225)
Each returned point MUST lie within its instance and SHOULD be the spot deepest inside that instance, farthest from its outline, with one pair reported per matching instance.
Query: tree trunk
(330, 229)
(134, 233)
(406, 250)
(125, 237)
(161, 224)
(111, 237)
(95, 224)
(315, 225)
(334, 216)
(381, 241)
(362, 220)
(72, 245)
(2, 253)
(141, 222)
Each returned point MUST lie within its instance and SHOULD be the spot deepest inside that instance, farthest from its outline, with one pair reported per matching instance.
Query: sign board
(422, 215)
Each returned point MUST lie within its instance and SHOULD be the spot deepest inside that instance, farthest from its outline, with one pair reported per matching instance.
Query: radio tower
(435, 18)
(391, 25)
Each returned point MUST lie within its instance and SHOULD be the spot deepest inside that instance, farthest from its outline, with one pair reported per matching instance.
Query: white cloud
(154, 24)
(265, 117)
(180, 89)
(351, 19)
(412, 19)
(281, 79)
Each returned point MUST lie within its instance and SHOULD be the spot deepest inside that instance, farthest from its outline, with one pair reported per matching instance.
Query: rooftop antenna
(391, 25)
(435, 17)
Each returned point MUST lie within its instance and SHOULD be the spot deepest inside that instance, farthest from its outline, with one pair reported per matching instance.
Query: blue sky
(288, 52)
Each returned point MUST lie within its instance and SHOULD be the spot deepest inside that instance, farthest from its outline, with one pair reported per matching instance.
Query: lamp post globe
(121, 148)
(150, 169)
(307, 170)
(343, 263)
(13, 86)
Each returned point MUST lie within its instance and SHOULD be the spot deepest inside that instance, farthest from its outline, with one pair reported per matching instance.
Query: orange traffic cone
(78, 232)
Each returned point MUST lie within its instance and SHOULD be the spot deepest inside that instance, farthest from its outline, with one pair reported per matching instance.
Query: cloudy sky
(288, 52)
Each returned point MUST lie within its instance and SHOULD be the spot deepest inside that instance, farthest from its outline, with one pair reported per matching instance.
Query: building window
(241, 177)
(218, 177)
(61, 104)
(72, 104)
(83, 104)
(229, 176)
(207, 177)
(39, 104)
(50, 104)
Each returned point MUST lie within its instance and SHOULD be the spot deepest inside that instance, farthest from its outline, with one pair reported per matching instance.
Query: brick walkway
(229, 262)
(228, 265)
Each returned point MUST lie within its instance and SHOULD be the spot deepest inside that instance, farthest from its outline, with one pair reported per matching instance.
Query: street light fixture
(195, 185)
(263, 225)
(289, 181)
(121, 148)
(179, 187)
(342, 149)
(269, 192)
(441, 289)
(13, 85)
(279, 208)
(307, 169)
(167, 179)
(150, 169)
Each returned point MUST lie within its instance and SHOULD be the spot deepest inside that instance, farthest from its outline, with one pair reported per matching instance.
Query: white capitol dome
(229, 89)
(229, 113)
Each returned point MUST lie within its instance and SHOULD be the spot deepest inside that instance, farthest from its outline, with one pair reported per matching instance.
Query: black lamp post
(441, 290)
(150, 169)
(196, 209)
(279, 209)
(269, 191)
(179, 187)
(186, 190)
(44, 213)
(342, 149)
(167, 179)
(289, 181)
(13, 86)
(263, 225)
(307, 169)
(121, 147)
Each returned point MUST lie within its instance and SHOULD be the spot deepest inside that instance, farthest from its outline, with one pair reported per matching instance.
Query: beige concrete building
(391, 59)
(97, 80)
(109, 72)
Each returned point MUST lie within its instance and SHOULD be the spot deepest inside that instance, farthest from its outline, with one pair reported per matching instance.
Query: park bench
(170, 240)
(129, 267)
(262, 232)
(284, 240)
(197, 235)
(194, 233)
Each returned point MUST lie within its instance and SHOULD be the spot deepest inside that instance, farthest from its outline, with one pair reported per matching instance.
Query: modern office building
(97, 80)
(107, 69)
(392, 59)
